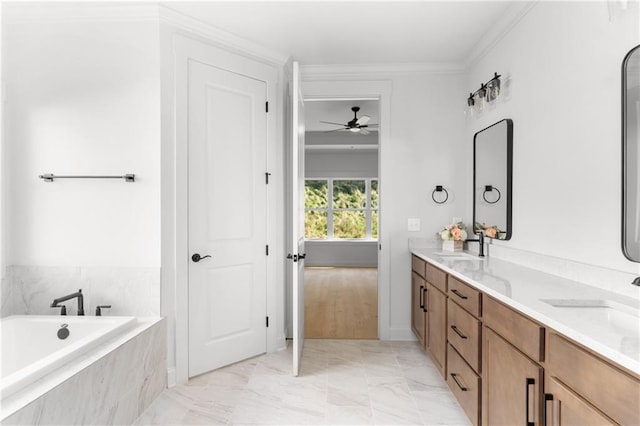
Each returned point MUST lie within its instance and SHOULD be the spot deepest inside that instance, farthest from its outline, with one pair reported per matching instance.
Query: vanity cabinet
(512, 389)
(585, 389)
(437, 326)
(512, 376)
(429, 309)
(564, 407)
(419, 300)
(505, 368)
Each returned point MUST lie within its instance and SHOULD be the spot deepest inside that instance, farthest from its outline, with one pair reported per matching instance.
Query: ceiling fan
(356, 125)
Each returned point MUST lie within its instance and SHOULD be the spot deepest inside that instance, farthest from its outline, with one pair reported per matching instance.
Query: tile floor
(342, 382)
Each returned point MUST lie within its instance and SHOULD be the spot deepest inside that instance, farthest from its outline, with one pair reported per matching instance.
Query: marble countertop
(606, 322)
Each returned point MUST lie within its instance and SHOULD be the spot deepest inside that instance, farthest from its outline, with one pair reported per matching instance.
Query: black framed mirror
(631, 155)
(492, 180)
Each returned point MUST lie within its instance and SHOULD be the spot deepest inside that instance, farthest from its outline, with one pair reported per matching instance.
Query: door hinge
(266, 106)
(267, 249)
(267, 321)
(266, 176)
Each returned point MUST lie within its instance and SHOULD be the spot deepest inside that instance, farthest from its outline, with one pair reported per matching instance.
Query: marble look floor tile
(342, 382)
(440, 408)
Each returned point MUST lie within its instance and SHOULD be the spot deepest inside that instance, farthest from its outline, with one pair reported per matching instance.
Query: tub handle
(100, 308)
(63, 309)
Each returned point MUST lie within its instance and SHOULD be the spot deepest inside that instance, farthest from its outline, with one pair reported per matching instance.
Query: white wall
(82, 98)
(562, 64)
(426, 149)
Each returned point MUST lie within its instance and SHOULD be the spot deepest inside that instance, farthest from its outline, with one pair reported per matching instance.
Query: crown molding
(514, 13)
(219, 37)
(42, 13)
(356, 71)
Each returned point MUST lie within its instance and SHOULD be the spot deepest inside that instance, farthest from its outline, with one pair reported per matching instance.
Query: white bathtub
(31, 348)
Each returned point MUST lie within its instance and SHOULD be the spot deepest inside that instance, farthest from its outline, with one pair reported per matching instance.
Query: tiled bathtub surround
(129, 291)
(112, 385)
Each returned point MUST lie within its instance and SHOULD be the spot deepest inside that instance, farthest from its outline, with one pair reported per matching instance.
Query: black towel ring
(489, 188)
(439, 188)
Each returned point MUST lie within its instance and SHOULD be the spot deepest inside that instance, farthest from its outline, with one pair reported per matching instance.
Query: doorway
(341, 218)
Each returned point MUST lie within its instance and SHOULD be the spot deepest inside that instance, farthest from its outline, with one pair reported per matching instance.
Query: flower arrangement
(491, 231)
(453, 232)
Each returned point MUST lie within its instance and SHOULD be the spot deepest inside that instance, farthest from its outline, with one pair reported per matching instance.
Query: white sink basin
(457, 256)
(623, 318)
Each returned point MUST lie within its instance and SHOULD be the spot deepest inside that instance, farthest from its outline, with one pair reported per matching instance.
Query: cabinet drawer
(437, 277)
(465, 296)
(518, 330)
(612, 391)
(463, 332)
(418, 265)
(465, 384)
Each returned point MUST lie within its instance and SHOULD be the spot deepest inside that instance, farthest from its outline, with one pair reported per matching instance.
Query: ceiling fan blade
(330, 122)
(363, 120)
(372, 125)
(364, 131)
(335, 130)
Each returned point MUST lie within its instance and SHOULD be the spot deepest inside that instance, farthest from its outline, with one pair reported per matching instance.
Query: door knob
(197, 258)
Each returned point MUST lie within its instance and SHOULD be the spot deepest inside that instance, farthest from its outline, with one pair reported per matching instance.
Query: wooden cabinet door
(511, 384)
(437, 326)
(418, 315)
(565, 408)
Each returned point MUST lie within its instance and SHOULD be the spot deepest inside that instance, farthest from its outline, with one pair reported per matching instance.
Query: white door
(297, 215)
(227, 217)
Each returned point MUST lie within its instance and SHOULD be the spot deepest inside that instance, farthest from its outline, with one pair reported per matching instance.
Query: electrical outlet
(456, 219)
(413, 224)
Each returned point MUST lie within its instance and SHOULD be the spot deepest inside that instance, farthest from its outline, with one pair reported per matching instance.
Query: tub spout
(78, 295)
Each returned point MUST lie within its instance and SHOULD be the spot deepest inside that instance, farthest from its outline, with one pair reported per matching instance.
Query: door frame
(175, 175)
(381, 91)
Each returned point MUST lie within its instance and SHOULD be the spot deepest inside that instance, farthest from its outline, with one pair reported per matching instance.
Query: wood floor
(341, 303)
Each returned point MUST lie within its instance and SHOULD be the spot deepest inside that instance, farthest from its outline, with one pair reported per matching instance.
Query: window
(351, 212)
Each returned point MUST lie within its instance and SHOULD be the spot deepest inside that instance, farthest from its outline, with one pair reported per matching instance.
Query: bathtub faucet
(78, 294)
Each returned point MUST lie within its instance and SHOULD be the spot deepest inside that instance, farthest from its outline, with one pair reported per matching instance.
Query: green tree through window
(350, 213)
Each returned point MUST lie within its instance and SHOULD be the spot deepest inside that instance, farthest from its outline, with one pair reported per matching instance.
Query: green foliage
(347, 194)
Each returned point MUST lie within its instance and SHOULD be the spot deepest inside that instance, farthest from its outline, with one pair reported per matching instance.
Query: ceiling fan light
(355, 129)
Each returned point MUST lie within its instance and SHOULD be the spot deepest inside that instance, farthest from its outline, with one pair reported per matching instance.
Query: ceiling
(355, 32)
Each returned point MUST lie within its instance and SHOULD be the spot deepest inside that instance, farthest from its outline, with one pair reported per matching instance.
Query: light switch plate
(413, 224)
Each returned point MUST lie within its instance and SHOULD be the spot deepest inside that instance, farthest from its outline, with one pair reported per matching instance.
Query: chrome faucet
(480, 242)
(78, 294)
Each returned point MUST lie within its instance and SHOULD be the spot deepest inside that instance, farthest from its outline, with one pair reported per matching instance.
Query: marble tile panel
(350, 415)
(116, 385)
(130, 291)
(440, 408)
(392, 403)
(6, 297)
(339, 390)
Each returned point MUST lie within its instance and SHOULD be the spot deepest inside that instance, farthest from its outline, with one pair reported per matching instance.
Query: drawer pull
(529, 382)
(547, 397)
(458, 332)
(422, 297)
(454, 376)
(460, 295)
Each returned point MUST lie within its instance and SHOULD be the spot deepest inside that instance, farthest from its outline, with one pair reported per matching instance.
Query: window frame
(329, 210)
